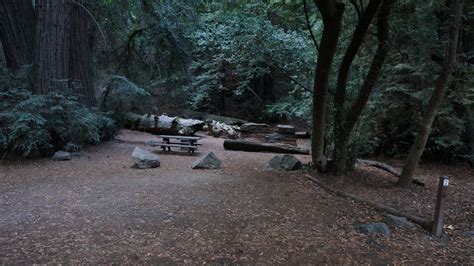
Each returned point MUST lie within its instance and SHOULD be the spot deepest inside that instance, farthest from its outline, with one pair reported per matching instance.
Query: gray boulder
(397, 221)
(369, 229)
(210, 161)
(218, 129)
(62, 156)
(284, 162)
(145, 159)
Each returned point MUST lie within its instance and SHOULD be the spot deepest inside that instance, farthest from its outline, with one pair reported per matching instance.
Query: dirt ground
(99, 209)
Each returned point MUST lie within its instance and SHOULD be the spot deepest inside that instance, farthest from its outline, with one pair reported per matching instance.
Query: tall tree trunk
(351, 118)
(80, 64)
(436, 98)
(51, 67)
(332, 14)
(470, 120)
(17, 29)
(365, 20)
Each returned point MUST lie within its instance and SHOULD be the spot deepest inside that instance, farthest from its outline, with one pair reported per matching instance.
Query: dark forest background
(72, 70)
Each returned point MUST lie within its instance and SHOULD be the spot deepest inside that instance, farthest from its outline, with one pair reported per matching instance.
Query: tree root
(380, 207)
(387, 168)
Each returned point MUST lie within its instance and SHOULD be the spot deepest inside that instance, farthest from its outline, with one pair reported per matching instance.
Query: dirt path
(97, 209)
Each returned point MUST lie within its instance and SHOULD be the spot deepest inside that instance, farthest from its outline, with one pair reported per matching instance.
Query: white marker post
(440, 206)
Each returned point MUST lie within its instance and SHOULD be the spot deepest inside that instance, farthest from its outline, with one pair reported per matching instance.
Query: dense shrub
(248, 62)
(36, 125)
(120, 96)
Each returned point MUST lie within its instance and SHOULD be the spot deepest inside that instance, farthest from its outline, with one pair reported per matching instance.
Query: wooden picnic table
(185, 142)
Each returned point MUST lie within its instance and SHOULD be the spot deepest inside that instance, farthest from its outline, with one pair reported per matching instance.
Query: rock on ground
(372, 228)
(210, 161)
(145, 159)
(397, 221)
(284, 162)
(218, 129)
(62, 156)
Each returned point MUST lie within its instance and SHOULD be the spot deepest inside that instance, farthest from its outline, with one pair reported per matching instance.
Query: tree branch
(356, 7)
(291, 78)
(308, 24)
(93, 18)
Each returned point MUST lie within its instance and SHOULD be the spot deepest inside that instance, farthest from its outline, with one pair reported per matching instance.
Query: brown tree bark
(365, 20)
(51, 69)
(350, 119)
(332, 13)
(80, 64)
(436, 98)
(17, 29)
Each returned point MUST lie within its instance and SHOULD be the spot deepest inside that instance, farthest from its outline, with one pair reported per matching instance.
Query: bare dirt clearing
(98, 209)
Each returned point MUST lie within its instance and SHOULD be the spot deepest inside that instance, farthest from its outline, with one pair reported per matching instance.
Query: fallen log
(209, 117)
(426, 224)
(387, 168)
(252, 146)
(164, 124)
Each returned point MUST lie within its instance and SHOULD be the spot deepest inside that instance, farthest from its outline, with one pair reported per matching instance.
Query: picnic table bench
(185, 142)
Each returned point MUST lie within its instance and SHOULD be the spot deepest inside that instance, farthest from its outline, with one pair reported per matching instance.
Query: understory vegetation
(254, 61)
(37, 125)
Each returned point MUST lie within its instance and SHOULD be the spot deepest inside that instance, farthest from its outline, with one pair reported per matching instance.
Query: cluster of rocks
(218, 129)
(144, 159)
(389, 221)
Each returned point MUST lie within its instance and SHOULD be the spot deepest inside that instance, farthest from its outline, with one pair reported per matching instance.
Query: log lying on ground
(164, 124)
(387, 168)
(209, 117)
(254, 127)
(426, 224)
(247, 145)
(286, 129)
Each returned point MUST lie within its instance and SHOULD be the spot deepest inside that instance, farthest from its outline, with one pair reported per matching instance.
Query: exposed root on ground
(380, 207)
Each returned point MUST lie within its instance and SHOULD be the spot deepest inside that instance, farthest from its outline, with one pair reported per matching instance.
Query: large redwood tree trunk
(53, 30)
(332, 13)
(81, 65)
(436, 98)
(17, 30)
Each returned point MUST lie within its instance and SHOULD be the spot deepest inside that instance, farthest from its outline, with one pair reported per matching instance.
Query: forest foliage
(254, 60)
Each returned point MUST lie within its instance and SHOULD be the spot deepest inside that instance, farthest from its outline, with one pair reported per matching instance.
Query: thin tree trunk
(80, 65)
(470, 119)
(368, 85)
(351, 51)
(343, 74)
(51, 68)
(17, 32)
(436, 98)
(332, 13)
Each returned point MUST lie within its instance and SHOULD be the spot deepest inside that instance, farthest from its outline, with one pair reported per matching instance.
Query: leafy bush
(120, 96)
(36, 125)
(250, 62)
